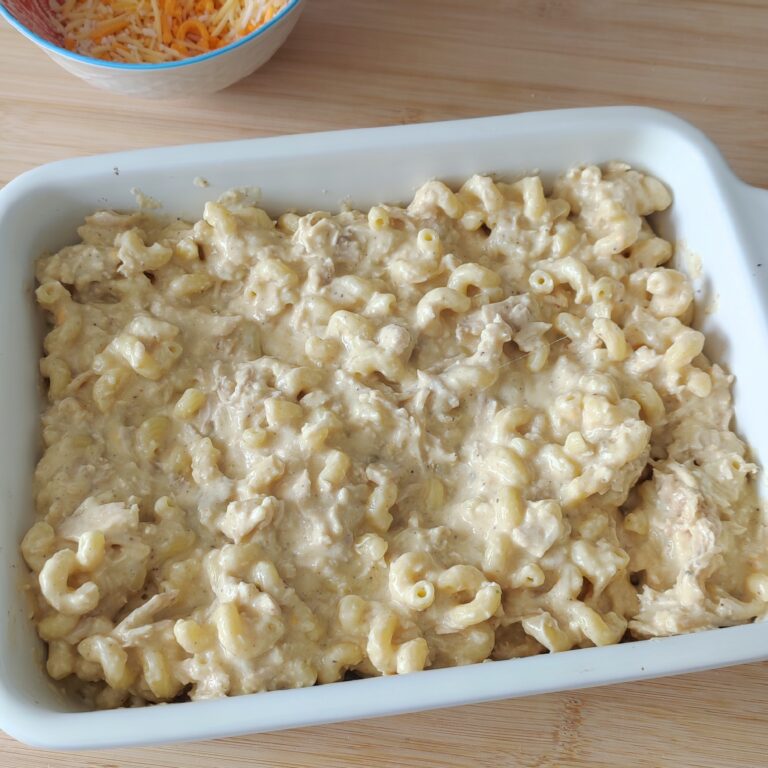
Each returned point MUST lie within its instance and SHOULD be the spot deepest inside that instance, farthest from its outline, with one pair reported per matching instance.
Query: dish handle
(755, 219)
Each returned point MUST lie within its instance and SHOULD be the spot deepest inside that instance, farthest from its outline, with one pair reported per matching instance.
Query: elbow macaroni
(376, 442)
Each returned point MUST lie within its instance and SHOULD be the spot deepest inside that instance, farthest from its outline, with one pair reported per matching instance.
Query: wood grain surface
(364, 63)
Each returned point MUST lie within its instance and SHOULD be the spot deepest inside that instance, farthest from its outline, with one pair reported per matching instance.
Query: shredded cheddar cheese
(156, 31)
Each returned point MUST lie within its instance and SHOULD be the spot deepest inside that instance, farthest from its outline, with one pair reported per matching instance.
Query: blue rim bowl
(49, 47)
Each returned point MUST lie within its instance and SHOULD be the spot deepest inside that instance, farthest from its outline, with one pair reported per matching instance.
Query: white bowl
(176, 79)
(720, 218)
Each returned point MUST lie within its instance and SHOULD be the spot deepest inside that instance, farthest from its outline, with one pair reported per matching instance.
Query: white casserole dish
(716, 216)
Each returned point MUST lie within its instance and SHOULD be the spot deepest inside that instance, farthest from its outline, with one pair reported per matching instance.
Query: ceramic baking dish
(715, 217)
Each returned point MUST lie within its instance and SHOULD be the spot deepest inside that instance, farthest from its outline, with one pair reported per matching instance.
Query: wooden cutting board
(364, 63)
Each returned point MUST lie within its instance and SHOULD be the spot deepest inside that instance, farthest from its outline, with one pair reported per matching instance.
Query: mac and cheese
(277, 452)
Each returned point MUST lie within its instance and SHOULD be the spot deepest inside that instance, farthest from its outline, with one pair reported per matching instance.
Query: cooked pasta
(477, 427)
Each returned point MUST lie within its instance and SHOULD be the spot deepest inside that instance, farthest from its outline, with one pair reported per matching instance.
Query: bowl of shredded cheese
(156, 48)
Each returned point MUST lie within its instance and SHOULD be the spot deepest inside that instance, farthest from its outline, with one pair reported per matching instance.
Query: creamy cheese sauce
(477, 427)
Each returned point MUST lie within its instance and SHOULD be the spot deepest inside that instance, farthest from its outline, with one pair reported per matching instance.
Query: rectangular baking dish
(716, 217)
